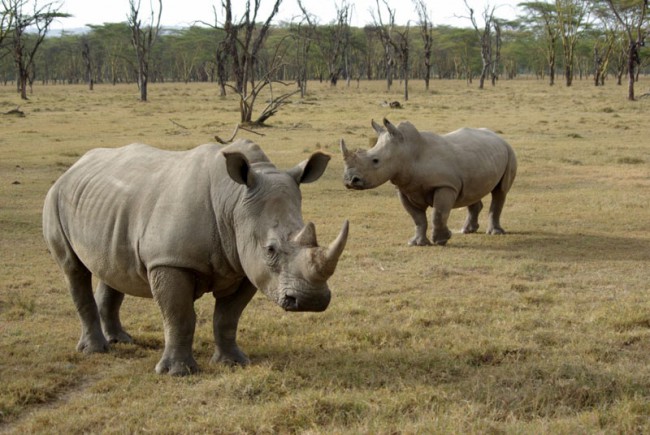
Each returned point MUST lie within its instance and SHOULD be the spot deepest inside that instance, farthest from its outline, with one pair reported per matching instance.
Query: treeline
(189, 54)
(105, 53)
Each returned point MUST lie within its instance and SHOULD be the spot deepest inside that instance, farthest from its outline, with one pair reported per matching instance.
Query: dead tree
(244, 40)
(486, 41)
(426, 32)
(143, 39)
(26, 33)
(333, 40)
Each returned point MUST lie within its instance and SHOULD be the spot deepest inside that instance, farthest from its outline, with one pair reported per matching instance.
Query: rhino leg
(79, 282)
(471, 223)
(443, 202)
(173, 291)
(227, 311)
(498, 200)
(109, 301)
(419, 216)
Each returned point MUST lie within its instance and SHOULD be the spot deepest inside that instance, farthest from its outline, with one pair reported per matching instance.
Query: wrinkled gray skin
(174, 225)
(443, 172)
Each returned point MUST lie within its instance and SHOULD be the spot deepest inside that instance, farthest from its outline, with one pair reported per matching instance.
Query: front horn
(334, 251)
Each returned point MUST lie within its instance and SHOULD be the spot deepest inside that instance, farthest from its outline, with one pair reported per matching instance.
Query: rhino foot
(419, 241)
(119, 337)
(89, 344)
(469, 229)
(440, 238)
(232, 358)
(496, 231)
(176, 367)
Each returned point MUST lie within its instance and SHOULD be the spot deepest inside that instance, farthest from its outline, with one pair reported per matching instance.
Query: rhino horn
(392, 130)
(334, 251)
(306, 236)
(344, 149)
(378, 128)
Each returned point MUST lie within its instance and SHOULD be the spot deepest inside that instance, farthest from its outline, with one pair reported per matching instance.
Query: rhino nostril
(356, 180)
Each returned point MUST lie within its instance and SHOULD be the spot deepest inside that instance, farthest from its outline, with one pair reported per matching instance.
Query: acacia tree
(571, 19)
(143, 39)
(544, 16)
(632, 16)
(27, 34)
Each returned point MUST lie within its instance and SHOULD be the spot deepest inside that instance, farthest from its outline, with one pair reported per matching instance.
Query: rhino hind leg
(92, 339)
(109, 301)
(227, 312)
(173, 291)
(471, 223)
(498, 201)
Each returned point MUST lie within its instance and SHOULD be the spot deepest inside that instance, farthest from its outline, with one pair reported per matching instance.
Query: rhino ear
(311, 169)
(239, 169)
(378, 128)
(392, 130)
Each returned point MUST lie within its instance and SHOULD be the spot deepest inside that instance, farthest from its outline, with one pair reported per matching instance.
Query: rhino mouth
(289, 303)
(317, 302)
(354, 182)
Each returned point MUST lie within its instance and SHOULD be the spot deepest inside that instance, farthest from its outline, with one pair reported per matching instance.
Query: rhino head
(278, 252)
(372, 168)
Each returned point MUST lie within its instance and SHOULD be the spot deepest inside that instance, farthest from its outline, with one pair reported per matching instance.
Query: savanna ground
(546, 329)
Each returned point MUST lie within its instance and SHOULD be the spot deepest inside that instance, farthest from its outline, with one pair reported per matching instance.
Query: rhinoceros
(444, 172)
(173, 225)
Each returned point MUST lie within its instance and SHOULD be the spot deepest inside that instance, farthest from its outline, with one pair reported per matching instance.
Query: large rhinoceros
(174, 225)
(443, 172)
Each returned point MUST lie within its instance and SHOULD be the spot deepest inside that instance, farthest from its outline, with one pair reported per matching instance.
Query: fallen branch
(178, 125)
(227, 141)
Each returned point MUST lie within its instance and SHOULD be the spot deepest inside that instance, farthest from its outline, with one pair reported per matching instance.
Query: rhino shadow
(548, 246)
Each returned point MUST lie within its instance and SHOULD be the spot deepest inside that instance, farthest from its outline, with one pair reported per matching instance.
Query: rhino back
(124, 211)
(472, 161)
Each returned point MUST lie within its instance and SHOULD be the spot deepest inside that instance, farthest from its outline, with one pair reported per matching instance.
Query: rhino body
(444, 172)
(173, 225)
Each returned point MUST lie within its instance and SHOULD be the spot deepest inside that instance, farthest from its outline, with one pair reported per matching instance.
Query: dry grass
(546, 329)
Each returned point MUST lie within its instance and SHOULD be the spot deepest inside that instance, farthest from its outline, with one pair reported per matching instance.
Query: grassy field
(546, 329)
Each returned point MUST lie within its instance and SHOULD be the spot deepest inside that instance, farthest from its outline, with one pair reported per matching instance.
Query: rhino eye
(271, 252)
(375, 161)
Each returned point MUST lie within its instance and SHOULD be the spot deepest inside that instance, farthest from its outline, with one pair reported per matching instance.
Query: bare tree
(426, 32)
(6, 21)
(143, 39)
(384, 31)
(27, 34)
(633, 19)
(244, 41)
(490, 44)
(332, 39)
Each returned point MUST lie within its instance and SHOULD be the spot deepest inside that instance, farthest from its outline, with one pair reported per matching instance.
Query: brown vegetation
(544, 330)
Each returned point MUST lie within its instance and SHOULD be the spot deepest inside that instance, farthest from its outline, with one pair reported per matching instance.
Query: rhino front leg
(471, 223)
(227, 311)
(419, 217)
(92, 339)
(173, 291)
(443, 202)
(110, 301)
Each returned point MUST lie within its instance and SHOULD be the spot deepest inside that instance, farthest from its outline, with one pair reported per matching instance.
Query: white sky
(185, 12)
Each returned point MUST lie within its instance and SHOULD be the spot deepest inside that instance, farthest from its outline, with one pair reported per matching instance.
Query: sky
(179, 13)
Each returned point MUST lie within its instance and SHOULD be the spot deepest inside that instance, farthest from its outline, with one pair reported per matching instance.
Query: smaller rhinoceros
(444, 172)
(173, 225)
